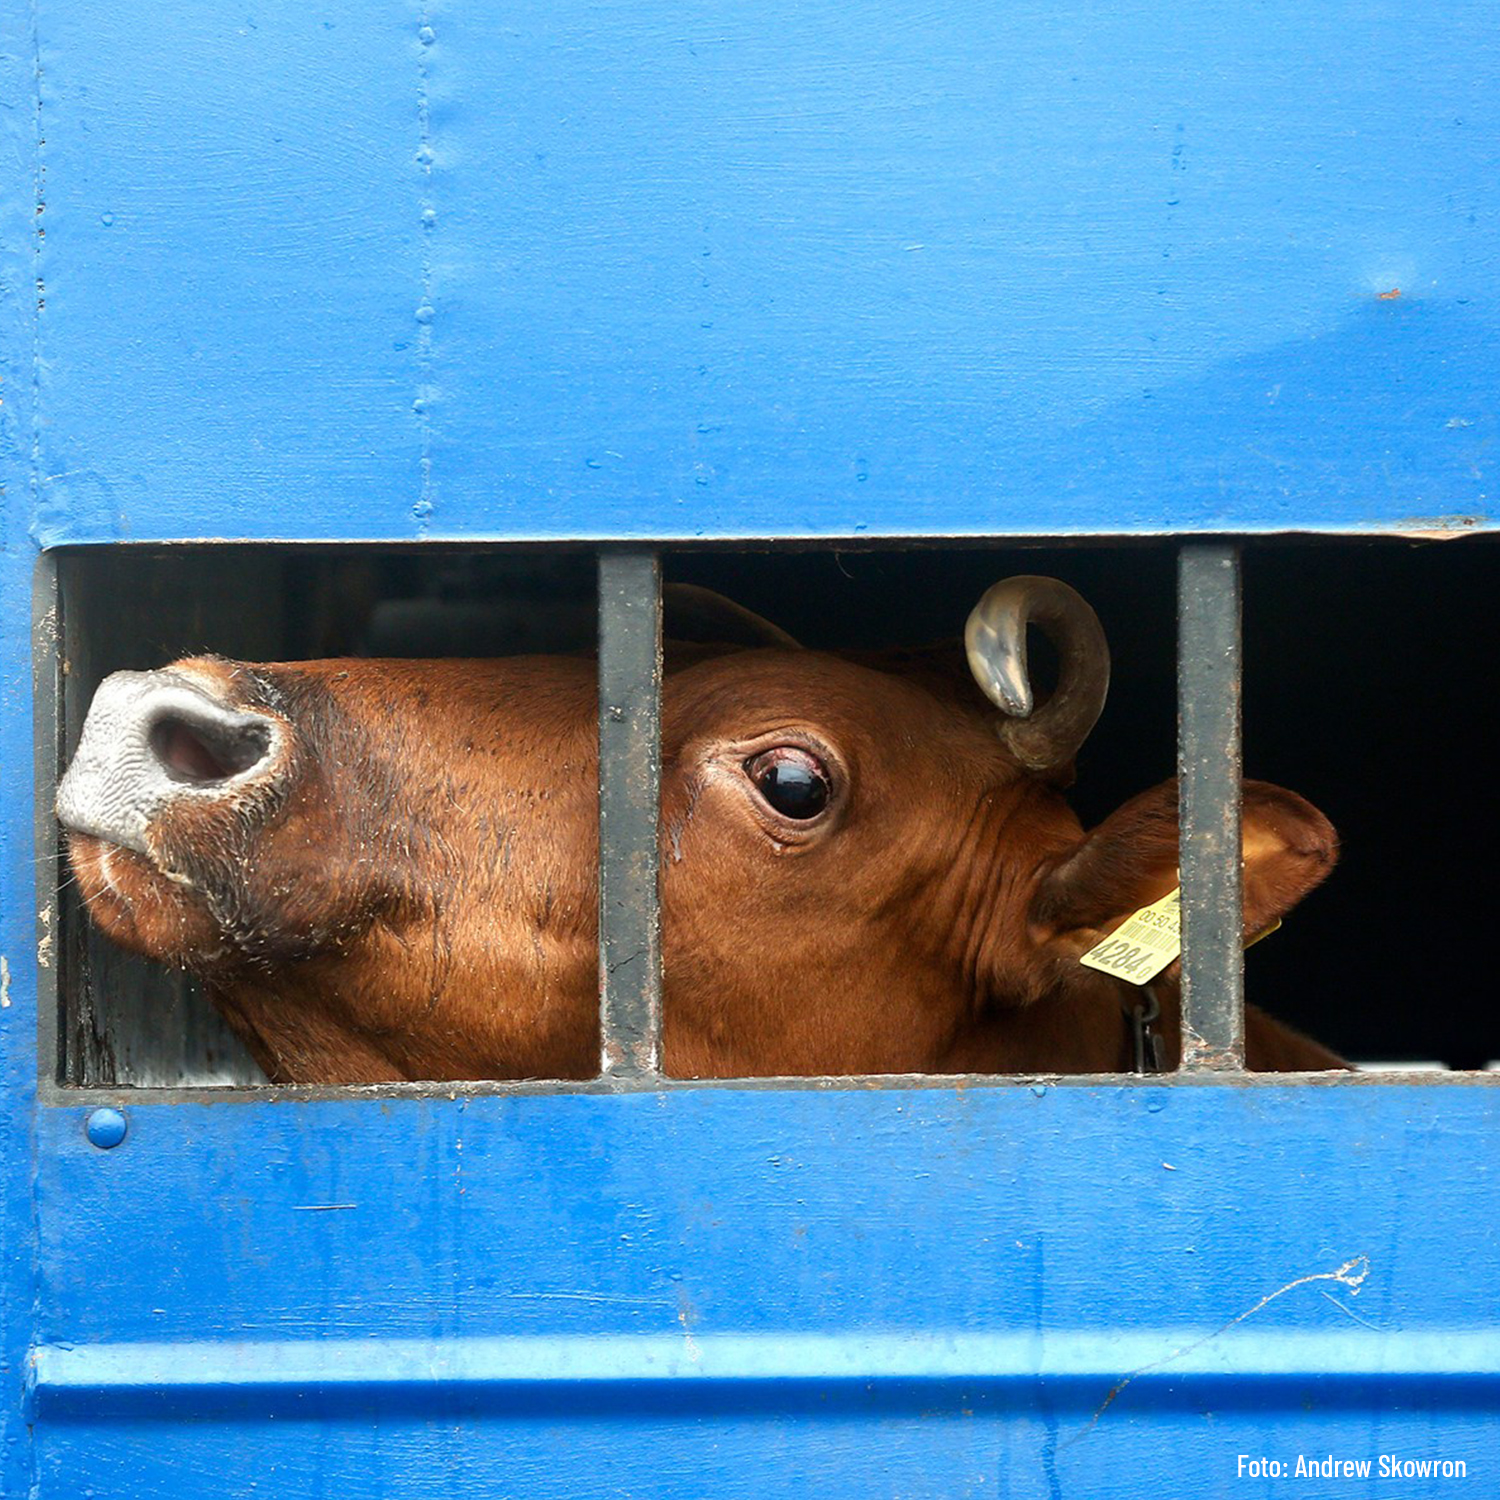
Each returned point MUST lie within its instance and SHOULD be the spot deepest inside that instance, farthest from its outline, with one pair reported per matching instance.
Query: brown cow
(386, 869)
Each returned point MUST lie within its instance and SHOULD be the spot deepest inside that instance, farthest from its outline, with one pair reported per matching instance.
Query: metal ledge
(1089, 1366)
(54, 1096)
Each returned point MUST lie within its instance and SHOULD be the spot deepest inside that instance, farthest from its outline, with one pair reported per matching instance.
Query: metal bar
(1208, 763)
(629, 814)
(47, 655)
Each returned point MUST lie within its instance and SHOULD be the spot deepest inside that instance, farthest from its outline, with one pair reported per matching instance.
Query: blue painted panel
(554, 270)
(18, 1244)
(988, 1292)
(231, 265)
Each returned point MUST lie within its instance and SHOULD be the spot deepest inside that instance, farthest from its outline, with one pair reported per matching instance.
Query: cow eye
(792, 780)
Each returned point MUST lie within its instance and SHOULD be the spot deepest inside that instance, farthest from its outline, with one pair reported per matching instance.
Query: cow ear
(1130, 860)
(694, 614)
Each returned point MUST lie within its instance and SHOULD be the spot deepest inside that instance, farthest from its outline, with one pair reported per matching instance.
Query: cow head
(388, 869)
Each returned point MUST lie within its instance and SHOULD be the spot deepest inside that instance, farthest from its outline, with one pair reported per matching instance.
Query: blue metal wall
(768, 270)
(770, 1293)
(619, 269)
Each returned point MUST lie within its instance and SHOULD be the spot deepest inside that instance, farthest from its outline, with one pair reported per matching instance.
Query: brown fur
(412, 894)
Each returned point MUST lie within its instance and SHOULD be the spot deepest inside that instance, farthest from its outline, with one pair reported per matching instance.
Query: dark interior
(1365, 690)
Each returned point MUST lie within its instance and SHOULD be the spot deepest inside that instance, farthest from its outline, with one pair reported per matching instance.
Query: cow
(387, 869)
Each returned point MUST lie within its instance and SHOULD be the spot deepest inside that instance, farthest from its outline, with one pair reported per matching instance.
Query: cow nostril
(201, 753)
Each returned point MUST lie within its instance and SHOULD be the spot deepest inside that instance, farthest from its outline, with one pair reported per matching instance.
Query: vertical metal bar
(1208, 763)
(629, 814)
(47, 656)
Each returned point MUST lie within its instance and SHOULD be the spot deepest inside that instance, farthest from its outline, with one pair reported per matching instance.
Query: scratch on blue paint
(1351, 1274)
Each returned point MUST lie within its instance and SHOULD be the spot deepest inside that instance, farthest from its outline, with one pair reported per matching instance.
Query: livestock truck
(393, 331)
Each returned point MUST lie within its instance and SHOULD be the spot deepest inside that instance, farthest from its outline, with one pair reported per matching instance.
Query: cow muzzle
(152, 739)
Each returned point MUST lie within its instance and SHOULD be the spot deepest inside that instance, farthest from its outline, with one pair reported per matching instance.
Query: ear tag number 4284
(1147, 942)
(1144, 945)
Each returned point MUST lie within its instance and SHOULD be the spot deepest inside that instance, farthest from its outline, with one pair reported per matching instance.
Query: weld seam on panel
(38, 289)
(425, 312)
(99, 1377)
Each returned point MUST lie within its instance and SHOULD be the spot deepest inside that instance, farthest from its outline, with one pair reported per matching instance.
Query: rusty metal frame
(1208, 764)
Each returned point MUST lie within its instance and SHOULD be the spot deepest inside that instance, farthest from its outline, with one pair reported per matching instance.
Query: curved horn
(699, 614)
(995, 639)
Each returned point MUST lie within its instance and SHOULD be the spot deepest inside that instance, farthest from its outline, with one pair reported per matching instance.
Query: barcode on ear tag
(1139, 949)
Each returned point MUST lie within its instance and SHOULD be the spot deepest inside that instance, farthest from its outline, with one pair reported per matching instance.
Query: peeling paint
(1439, 528)
(4, 983)
(687, 1317)
(1199, 1054)
(44, 943)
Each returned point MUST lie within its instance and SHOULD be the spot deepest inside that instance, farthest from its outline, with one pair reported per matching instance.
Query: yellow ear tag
(1147, 942)
(1144, 944)
(1265, 932)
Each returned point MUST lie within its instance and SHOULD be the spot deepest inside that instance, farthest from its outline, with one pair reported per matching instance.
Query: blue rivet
(106, 1128)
